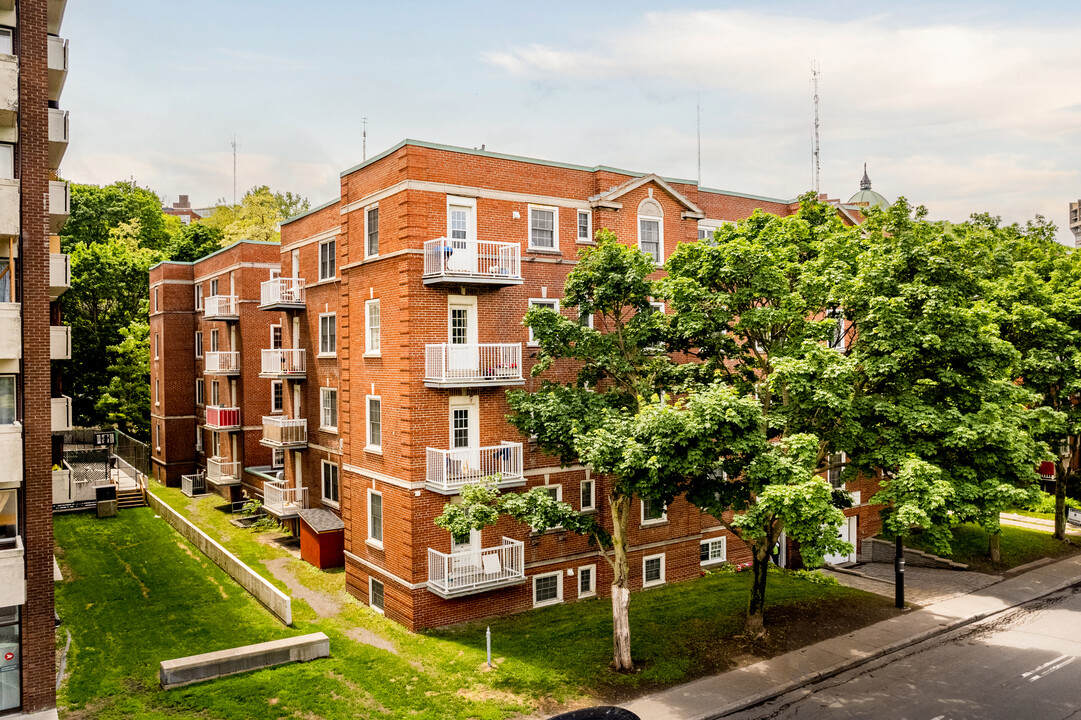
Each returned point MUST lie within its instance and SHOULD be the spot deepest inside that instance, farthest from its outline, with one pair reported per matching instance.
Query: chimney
(183, 202)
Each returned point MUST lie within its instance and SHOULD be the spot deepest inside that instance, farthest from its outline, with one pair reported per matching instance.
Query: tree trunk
(1060, 507)
(995, 549)
(621, 591)
(759, 567)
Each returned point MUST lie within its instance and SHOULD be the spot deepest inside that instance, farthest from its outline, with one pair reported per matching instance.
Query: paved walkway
(923, 586)
(715, 696)
(1030, 523)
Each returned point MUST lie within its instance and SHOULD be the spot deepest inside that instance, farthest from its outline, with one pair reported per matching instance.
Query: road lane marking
(1041, 667)
(1049, 670)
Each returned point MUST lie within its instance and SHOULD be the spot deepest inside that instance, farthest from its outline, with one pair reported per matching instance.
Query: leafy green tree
(194, 241)
(126, 399)
(98, 211)
(753, 306)
(258, 216)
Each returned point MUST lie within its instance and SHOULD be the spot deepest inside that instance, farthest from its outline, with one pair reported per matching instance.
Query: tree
(98, 211)
(126, 399)
(258, 216)
(194, 241)
(752, 306)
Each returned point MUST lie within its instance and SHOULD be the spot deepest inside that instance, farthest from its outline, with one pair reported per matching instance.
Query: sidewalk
(721, 694)
(1030, 523)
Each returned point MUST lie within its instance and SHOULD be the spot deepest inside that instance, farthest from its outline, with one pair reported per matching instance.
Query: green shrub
(1045, 503)
(813, 576)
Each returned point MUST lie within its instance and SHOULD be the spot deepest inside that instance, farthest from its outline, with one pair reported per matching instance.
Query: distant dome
(866, 196)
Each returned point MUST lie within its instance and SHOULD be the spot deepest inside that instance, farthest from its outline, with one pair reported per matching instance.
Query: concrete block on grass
(196, 668)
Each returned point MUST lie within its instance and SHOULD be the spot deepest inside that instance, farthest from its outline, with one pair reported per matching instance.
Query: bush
(252, 507)
(813, 576)
(1045, 503)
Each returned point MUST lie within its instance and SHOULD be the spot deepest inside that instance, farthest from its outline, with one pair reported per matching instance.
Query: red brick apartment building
(400, 308)
(33, 275)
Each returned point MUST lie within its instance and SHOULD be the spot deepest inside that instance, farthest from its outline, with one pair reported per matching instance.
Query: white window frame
(553, 303)
(215, 394)
(214, 287)
(367, 229)
(333, 352)
(198, 343)
(658, 261)
(7, 161)
(157, 392)
(592, 494)
(215, 340)
(839, 467)
(9, 33)
(588, 320)
(200, 389)
(652, 583)
(277, 337)
(711, 542)
(323, 465)
(157, 299)
(324, 393)
(837, 315)
(372, 582)
(654, 521)
(372, 340)
(334, 263)
(705, 232)
(198, 439)
(558, 574)
(199, 296)
(555, 227)
(277, 387)
(592, 591)
(588, 238)
(372, 540)
(277, 458)
(377, 446)
(157, 354)
(275, 273)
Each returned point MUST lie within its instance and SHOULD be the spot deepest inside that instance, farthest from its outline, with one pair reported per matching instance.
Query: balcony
(192, 485)
(11, 449)
(9, 208)
(58, 66)
(454, 366)
(9, 90)
(58, 136)
(60, 342)
(282, 294)
(468, 572)
(282, 364)
(223, 418)
(221, 363)
(11, 331)
(59, 205)
(222, 472)
(450, 470)
(61, 413)
(59, 274)
(283, 432)
(221, 307)
(472, 261)
(283, 502)
(12, 572)
(56, 14)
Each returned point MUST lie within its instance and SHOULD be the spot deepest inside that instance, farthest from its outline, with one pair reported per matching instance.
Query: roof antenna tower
(364, 140)
(815, 72)
(699, 109)
(235, 144)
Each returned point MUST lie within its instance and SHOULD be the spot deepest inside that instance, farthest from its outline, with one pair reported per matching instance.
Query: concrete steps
(130, 499)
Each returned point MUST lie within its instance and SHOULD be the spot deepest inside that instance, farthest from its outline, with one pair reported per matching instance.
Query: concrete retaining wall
(880, 551)
(274, 599)
(195, 668)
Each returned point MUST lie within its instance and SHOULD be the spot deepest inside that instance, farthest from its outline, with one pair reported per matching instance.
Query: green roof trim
(748, 196)
(216, 252)
(315, 209)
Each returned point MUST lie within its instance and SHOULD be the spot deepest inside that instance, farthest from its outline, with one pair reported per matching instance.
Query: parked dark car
(605, 712)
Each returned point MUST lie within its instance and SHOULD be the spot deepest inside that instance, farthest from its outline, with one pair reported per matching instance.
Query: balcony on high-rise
(9, 208)
(222, 472)
(59, 273)
(217, 362)
(472, 571)
(59, 204)
(452, 365)
(11, 331)
(60, 342)
(472, 261)
(283, 432)
(221, 307)
(222, 418)
(286, 364)
(11, 449)
(56, 15)
(61, 407)
(58, 66)
(9, 90)
(448, 471)
(58, 136)
(12, 572)
(282, 294)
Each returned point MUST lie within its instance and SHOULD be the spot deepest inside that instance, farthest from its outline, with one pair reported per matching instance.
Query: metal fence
(133, 452)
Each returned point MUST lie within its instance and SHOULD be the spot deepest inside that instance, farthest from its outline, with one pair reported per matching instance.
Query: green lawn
(139, 594)
(1019, 546)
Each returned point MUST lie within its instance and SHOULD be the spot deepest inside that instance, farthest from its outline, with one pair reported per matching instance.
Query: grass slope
(1019, 546)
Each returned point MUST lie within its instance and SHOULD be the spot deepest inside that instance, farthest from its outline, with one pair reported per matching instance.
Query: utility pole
(815, 72)
(699, 109)
(235, 145)
(364, 142)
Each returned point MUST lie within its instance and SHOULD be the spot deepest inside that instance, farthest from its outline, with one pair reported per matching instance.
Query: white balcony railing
(282, 363)
(192, 485)
(11, 449)
(222, 418)
(222, 472)
(217, 362)
(58, 136)
(281, 291)
(58, 66)
(61, 411)
(12, 573)
(450, 470)
(221, 306)
(9, 208)
(60, 342)
(281, 431)
(59, 205)
(462, 365)
(472, 571)
(59, 274)
(11, 331)
(9, 90)
(283, 501)
(481, 261)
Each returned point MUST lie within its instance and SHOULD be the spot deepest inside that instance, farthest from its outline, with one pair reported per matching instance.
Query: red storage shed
(322, 538)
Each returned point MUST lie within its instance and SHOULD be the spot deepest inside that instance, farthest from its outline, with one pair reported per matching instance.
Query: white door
(848, 533)
(465, 462)
(461, 237)
(462, 350)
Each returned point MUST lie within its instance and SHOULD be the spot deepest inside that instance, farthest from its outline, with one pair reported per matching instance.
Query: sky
(959, 106)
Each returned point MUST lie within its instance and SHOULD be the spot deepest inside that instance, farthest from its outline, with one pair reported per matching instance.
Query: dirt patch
(367, 637)
(489, 695)
(324, 605)
(142, 588)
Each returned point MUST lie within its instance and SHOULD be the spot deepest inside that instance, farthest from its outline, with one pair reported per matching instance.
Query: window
(277, 396)
(371, 327)
(214, 287)
(213, 341)
(705, 233)
(547, 589)
(275, 337)
(214, 393)
(713, 551)
(7, 161)
(7, 43)
(375, 516)
(157, 391)
(157, 299)
(653, 511)
(651, 229)
(327, 262)
(589, 495)
(837, 331)
(330, 483)
(835, 468)
(9, 517)
(7, 400)
(156, 347)
(587, 581)
(157, 435)
(585, 320)
(328, 334)
(376, 598)
(555, 492)
(543, 222)
(199, 391)
(585, 226)
(215, 444)
(328, 409)
(275, 273)
(198, 297)
(11, 686)
(198, 343)
(198, 440)
(652, 570)
(541, 303)
(277, 458)
(375, 423)
(371, 231)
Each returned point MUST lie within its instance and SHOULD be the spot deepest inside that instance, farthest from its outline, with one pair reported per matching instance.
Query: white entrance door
(848, 533)
(462, 236)
(462, 351)
(464, 439)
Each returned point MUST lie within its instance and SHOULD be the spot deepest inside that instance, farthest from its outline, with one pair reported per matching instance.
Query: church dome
(867, 197)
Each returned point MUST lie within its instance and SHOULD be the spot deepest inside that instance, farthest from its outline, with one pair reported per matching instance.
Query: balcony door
(462, 235)
(464, 462)
(462, 351)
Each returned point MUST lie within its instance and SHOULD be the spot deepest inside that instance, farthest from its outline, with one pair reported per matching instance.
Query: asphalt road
(1023, 664)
